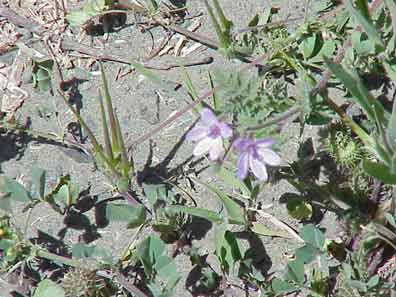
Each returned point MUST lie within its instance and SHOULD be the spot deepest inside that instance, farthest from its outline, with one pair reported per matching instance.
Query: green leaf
(38, 180)
(153, 5)
(299, 209)
(154, 193)
(236, 213)
(198, 212)
(282, 287)
(167, 270)
(327, 50)
(47, 288)
(391, 128)
(77, 18)
(392, 9)
(363, 7)
(307, 253)
(310, 46)
(379, 171)
(361, 95)
(359, 285)
(365, 23)
(154, 78)
(151, 253)
(261, 229)
(373, 281)
(83, 250)
(133, 215)
(295, 271)
(230, 179)
(391, 219)
(313, 236)
(148, 251)
(227, 248)
(14, 189)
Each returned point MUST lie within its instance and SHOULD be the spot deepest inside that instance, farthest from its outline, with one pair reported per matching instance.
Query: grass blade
(359, 92)
(113, 125)
(106, 135)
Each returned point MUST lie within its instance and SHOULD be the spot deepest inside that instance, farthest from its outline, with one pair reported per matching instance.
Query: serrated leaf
(236, 213)
(313, 236)
(133, 215)
(198, 212)
(379, 171)
(47, 288)
(365, 23)
(14, 189)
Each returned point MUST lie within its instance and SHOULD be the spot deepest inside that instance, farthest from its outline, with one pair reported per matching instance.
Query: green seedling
(91, 9)
(110, 158)
(223, 28)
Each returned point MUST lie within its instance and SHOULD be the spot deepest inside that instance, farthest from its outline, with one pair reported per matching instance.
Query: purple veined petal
(225, 130)
(197, 133)
(258, 168)
(269, 156)
(264, 143)
(208, 117)
(203, 146)
(241, 144)
(216, 149)
(243, 165)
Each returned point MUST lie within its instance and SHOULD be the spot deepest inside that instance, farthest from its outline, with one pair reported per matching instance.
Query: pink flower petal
(243, 165)
(216, 149)
(197, 133)
(241, 144)
(258, 169)
(225, 130)
(264, 143)
(269, 156)
(203, 146)
(208, 117)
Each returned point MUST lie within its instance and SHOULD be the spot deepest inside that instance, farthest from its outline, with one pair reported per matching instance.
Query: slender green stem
(53, 257)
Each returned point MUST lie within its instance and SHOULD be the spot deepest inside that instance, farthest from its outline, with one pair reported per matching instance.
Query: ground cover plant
(330, 69)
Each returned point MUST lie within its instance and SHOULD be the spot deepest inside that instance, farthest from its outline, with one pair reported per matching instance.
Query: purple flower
(255, 155)
(208, 135)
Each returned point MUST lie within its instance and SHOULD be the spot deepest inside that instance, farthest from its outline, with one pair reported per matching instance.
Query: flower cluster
(209, 134)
